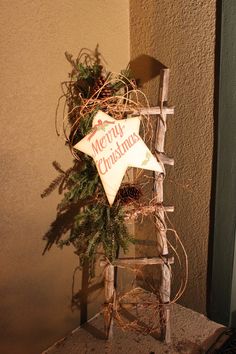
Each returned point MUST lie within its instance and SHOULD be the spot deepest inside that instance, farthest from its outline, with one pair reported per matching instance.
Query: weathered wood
(156, 110)
(164, 260)
(167, 325)
(161, 123)
(140, 261)
(143, 261)
(132, 213)
(169, 209)
(109, 298)
(164, 158)
(160, 220)
(165, 288)
(109, 282)
(151, 208)
(164, 86)
(158, 188)
(160, 133)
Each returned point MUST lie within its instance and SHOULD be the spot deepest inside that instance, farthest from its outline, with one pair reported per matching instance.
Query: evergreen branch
(83, 210)
(53, 185)
(91, 243)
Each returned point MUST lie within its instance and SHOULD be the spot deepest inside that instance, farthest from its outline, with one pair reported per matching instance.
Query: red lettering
(126, 145)
(105, 164)
(101, 168)
(96, 147)
(103, 143)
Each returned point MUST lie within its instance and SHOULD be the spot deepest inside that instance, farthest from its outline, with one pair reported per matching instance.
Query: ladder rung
(157, 110)
(166, 160)
(144, 261)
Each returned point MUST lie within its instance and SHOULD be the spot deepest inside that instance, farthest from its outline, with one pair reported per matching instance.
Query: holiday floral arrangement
(107, 128)
(85, 216)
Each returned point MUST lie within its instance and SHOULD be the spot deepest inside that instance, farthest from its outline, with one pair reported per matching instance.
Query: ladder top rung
(157, 110)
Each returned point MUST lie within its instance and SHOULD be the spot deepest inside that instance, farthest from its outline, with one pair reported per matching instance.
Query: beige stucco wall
(181, 34)
(35, 290)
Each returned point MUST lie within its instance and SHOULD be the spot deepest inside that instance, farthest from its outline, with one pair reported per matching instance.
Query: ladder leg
(165, 299)
(167, 324)
(109, 298)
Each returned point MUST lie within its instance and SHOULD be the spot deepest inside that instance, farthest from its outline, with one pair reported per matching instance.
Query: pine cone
(129, 193)
(106, 91)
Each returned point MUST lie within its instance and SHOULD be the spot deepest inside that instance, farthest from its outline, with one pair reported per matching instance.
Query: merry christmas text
(119, 149)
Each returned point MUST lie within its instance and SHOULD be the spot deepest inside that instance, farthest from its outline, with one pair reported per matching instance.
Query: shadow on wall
(79, 299)
(144, 68)
(61, 226)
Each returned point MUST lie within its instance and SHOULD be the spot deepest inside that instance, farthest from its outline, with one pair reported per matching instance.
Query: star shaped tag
(116, 145)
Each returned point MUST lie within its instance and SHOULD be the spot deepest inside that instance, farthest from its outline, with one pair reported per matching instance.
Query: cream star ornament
(116, 145)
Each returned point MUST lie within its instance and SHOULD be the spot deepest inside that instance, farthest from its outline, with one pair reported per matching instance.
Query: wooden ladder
(160, 113)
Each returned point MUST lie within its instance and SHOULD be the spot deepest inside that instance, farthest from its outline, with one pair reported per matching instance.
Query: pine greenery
(89, 221)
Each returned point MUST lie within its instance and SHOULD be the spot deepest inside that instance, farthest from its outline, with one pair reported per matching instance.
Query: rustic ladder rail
(164, 260)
